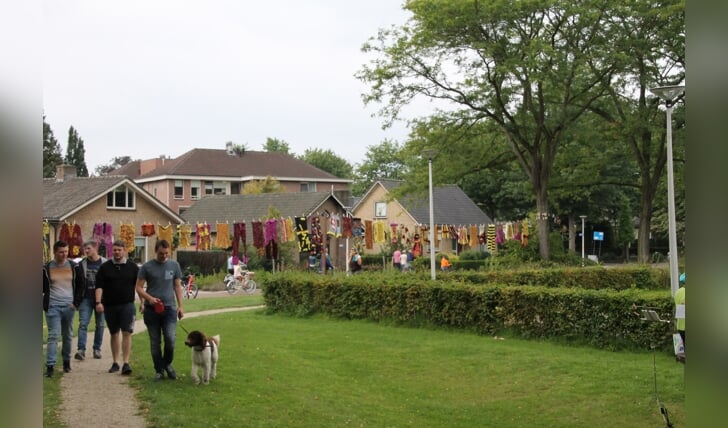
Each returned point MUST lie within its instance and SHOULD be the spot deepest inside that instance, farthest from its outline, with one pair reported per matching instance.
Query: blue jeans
(158, 325)
(59, 319)
(87, 307)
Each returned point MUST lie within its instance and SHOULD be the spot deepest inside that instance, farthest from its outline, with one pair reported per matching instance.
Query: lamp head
(670, 94)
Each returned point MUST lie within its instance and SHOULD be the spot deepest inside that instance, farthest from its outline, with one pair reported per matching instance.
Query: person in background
(404, 261)
(63, 289)
(90, 264)
(445, 264)
(231, 264)
(115, 288)
(680, 301)
(163, 278)
(354, 261)
(396, 260)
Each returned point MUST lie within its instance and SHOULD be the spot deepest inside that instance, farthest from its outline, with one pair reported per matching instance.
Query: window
(308, 187)
(208, 187)
(195, 190)
(179, 190)
(121, 197)
(219, 188)
(139, 255)
(380, 209)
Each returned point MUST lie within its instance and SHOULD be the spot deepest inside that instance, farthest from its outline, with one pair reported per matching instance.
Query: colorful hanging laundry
(222, 235)
(473, 233)
(103, 235)
(238, 238)
(500, 236)
(148, 229)
(126, 234)
(46, 242)
(202, 237)
(368, 234)
(185, 234)
(379, 229)
(271, 239)
(462, 235)
(491, 239)
(346, 226)
(258, 238)
(524, 232)
(304, 238)
(166, 233)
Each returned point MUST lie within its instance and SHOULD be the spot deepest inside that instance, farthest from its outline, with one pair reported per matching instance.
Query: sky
(151, 78)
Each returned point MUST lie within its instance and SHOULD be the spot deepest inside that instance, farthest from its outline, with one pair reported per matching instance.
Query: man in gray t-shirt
(162, 306)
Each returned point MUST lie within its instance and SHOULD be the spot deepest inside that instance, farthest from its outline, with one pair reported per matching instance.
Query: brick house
(182, 181)
(111, 199)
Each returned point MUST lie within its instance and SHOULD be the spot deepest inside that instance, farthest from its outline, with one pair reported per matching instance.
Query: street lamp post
(430, 153)
(671, 95)
(583, 217)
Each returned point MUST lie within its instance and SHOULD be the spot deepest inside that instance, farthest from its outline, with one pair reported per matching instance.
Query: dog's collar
(202, 348)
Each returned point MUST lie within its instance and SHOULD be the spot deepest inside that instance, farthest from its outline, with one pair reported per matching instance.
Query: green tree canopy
(276, 145)
(52, 156)
(76, 153)
(267, 185)
(531, 68)
(328, 161)
(116, 162)
(382, 161)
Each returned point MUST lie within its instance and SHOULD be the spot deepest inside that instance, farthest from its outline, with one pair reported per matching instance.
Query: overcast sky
(150, 78)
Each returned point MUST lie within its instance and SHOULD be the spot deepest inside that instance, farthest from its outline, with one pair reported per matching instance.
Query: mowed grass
(276, 370)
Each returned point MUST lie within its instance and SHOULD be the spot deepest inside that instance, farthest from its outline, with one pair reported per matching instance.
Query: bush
(599, 318)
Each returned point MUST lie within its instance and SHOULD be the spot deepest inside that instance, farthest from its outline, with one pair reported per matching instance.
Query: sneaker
(114, 368)
(159, 376)
(170, 372)
(49, 371)
(67, 366)
(97, 354)
(80, 355)
(126, 369)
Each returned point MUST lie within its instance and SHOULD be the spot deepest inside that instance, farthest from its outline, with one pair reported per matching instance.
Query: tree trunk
(643, 236)
(542, 219)
(572, 234)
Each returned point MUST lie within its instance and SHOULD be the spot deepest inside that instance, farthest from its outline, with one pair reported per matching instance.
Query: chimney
(229, 147)
(65, 172)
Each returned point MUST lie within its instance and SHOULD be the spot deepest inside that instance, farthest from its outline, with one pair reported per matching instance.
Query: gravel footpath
(85, 392)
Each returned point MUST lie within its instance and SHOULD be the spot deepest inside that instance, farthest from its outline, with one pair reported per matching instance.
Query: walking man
(63, 290)
(162, 277)
(115, 293)
(90, 264)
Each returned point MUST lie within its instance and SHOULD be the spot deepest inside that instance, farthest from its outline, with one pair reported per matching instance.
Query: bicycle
(189, 288)
(244, 282)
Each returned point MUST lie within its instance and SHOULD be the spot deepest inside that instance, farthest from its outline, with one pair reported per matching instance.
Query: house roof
(250, 165)
(450, 205)
(237, 208)
(64, 198)
(131, 169)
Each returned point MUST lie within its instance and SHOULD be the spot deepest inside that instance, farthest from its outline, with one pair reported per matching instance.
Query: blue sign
(599, 236)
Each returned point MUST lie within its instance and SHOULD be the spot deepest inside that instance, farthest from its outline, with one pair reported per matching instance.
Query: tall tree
(649, 47)
(328, 161)
(76, 153)
(382, 161)
(531, 67)
(116, 162)
(276, 145)
(52, 156)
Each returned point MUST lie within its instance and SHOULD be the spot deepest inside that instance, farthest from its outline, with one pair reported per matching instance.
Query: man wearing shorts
(115, 288)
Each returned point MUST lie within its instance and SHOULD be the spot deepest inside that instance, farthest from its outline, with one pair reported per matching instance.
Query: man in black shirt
(115, 295)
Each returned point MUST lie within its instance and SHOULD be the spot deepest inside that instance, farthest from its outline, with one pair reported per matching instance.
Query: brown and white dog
(204, 355)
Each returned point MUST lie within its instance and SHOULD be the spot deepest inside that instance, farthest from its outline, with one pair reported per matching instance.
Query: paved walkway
(82, 389)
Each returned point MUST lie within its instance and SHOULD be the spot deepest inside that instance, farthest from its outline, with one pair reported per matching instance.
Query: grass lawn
(276, 370)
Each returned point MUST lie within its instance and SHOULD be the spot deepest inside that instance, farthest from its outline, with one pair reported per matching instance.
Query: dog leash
(183, 328)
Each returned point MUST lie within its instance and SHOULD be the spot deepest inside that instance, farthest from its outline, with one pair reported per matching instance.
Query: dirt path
(82, 388)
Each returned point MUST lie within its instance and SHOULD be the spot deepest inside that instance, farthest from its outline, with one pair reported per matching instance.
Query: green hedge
(594, 278)
(599, 318)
